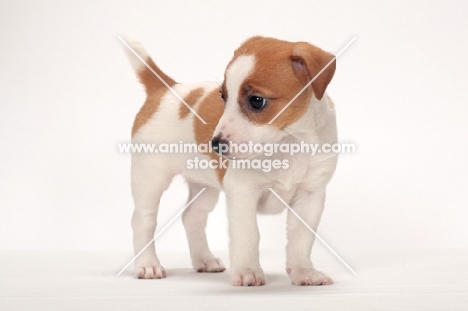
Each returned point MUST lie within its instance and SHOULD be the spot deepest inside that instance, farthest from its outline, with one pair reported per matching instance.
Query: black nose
(219, 145)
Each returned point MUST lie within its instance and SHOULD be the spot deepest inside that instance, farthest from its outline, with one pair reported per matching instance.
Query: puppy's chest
(296, 173)
(287, 183)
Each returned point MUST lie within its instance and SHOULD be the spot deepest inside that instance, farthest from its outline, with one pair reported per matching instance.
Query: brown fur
(296, 64)
(190, 99)
(148, 109)
(311, 60)
(149, 79)
(155, 89)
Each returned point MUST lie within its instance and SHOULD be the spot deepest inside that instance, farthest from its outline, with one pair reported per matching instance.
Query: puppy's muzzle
(220, 145)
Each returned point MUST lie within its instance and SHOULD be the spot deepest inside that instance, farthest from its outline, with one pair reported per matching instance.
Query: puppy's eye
(222, 95)
(257, 102)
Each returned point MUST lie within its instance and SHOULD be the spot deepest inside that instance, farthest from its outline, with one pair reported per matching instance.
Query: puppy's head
(264, 75)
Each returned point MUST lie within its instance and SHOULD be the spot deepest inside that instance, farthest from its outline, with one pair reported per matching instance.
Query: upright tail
(152, 78)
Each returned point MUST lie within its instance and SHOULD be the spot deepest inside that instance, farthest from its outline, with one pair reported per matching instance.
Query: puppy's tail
(147, 72)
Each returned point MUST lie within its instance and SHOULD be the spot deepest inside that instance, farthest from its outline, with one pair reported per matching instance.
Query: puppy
(264, 75)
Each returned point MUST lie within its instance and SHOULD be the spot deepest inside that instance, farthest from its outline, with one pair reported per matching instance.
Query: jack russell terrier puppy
(260, 80)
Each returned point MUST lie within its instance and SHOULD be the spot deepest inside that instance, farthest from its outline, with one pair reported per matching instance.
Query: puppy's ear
(307, 61)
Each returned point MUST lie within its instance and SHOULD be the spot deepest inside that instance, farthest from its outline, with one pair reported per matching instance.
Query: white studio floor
(390, 280)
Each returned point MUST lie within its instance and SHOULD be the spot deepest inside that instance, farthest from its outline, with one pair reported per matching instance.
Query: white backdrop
(68, 96)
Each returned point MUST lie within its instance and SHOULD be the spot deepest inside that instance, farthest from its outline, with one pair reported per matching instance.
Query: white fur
(139, 49)
(302, 186)
(237, 72)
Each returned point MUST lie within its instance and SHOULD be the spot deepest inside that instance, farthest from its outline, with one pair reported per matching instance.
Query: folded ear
(308, 61)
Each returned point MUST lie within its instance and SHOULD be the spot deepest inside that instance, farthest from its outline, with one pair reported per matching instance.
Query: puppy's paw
(308, 276)
(208, 264)
(150, 270)
(248, 277)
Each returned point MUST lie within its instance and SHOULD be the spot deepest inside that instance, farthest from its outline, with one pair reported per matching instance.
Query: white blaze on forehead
(234, 125)
(236, 74)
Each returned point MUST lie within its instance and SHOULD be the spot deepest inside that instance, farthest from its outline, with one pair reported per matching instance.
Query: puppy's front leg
(245, 267)
(309, 206)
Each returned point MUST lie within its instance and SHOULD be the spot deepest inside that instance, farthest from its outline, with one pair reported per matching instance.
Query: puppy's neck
(319, 118)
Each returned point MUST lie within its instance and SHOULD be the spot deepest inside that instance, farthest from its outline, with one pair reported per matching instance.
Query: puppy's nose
(219, 145)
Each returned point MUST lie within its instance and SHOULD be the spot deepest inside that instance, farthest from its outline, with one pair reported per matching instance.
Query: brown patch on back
(148, 109)
(276, 79)
(190, 99)
(210, 109)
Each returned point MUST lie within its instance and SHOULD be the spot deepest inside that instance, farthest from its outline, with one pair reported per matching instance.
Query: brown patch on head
(281, 70)
(210, 109)
(191, 100)
(148, 109)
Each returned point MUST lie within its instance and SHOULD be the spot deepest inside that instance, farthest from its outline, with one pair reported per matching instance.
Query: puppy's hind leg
(194, 219)
(149, 181)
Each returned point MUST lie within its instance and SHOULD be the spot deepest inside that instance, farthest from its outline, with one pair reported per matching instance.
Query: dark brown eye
(257, 102)
(222, 96)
